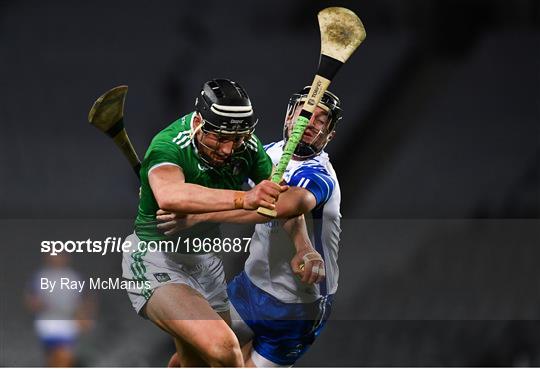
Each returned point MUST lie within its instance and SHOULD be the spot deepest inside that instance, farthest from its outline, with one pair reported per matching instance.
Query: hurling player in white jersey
(276, 314)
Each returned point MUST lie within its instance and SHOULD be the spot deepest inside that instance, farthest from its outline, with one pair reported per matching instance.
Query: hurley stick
(341, 34)
(107, 115)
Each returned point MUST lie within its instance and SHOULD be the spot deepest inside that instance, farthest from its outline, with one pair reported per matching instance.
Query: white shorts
(53, 328)
(202, 272)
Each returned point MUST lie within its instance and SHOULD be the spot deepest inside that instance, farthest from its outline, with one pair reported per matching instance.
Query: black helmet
(225, 108)
(329, 102)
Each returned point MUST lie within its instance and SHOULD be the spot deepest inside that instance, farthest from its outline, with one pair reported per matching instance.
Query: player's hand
(264, 194)
(308, 265)
(172, 223)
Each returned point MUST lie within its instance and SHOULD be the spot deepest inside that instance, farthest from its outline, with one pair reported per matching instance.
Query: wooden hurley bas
(107, 115)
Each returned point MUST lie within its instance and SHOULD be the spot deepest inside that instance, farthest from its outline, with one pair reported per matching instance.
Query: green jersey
(174, 145)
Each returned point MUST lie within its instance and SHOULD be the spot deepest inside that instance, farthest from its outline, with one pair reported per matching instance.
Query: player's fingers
(322, 275)
(164, 217)
(270, 199)
(166, 226)
(272, 192)
(171, 232)
(308, 266)
(266, 204)
(298, 266)
(314, 273)
(295, 266)
(280, 188)
(317, 272)
(162, 213)
(314, 261)
(268, 184)
(275, 187)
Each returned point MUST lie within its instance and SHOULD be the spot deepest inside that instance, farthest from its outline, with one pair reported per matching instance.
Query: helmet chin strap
(194, 131)
(304, 151)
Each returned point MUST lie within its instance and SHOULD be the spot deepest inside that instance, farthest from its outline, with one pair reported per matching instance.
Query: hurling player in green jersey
(197, 165)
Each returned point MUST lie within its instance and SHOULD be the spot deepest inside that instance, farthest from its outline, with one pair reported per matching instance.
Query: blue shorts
(56, 333)
(282, 332)
(51, 343)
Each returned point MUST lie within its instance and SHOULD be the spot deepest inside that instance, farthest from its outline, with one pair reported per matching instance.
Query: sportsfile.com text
(119, 245)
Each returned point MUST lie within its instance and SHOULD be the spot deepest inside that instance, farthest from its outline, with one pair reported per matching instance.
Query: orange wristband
(239, 199)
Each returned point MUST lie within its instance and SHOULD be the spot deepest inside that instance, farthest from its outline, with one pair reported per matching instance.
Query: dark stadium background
(438, 157)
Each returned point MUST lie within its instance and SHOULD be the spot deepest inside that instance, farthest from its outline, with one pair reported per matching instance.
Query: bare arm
(297, 230)
(295, 201)
(291, 205)
(173, 194)
(307, 263)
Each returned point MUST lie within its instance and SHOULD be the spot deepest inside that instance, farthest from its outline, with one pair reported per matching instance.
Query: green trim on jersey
(174, 145)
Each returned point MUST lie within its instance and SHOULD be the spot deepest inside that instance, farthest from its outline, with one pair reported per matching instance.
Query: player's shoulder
(317, 180)
(274, 150)
(253, 143)
(171, 145)
(274, 145)
(177, 134)
(318, 164)
(315, 171)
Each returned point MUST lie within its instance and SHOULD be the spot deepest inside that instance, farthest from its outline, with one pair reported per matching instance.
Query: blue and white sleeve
(319, 183)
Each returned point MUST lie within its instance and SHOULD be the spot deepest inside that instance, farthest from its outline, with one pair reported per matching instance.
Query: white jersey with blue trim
(271, 250)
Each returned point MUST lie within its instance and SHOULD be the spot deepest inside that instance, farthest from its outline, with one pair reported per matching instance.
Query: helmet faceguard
(205, 151)
(320, 127)
(227, 115)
